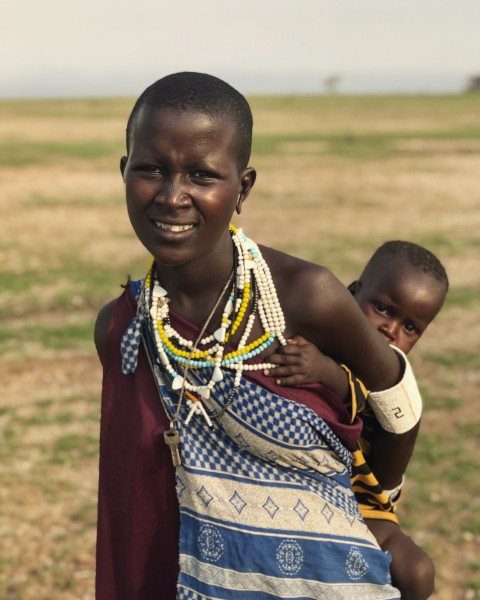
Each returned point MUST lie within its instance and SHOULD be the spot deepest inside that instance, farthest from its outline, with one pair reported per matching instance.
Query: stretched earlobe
(238, 207)
(123, 164)
(247, 181)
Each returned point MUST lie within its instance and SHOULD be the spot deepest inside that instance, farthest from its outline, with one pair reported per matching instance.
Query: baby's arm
(302, 362)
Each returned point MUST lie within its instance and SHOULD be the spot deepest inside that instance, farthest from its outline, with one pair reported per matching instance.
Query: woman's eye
(201, 175)
(154, 170)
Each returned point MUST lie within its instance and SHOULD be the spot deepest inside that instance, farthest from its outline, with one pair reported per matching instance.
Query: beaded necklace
(253, 294)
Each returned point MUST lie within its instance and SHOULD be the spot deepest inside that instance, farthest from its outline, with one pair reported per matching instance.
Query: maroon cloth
(138, 516)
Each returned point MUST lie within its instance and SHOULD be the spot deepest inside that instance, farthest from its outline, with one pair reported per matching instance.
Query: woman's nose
(175, 190)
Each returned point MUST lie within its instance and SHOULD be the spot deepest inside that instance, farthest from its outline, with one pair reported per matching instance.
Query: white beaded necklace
(253, 282)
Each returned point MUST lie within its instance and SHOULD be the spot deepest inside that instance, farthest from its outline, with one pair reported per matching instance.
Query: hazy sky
(111, 47)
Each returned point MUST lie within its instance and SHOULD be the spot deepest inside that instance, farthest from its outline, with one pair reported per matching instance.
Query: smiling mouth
(173, 228)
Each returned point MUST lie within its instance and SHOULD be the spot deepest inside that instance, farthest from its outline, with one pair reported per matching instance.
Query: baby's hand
(298, 362)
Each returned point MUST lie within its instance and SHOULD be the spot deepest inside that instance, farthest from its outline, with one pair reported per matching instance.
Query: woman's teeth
(174, 228)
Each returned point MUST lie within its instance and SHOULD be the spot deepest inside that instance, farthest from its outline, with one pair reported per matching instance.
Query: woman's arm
(320, 308)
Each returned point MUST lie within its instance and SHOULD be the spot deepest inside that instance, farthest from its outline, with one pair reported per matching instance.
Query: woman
(263, 505)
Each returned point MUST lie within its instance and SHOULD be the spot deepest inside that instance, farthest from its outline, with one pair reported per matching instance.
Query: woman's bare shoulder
(309, 293)
(306, 279)
(282, 264)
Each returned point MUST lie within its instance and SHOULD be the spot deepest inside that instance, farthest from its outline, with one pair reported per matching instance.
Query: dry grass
(66, 245)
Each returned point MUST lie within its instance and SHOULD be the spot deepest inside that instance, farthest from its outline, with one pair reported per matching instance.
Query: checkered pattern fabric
(286, 422)
(130, 344)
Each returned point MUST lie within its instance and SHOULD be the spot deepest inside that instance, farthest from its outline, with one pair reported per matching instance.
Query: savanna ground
(337, 176)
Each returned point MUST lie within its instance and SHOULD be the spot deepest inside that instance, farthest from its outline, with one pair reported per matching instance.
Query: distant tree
(473, 84)
(331, 84)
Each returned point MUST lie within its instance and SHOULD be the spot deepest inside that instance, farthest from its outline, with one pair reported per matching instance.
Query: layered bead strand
(253, 295)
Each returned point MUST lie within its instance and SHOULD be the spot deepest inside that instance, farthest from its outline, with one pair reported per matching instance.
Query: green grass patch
(470, 429)
(22, 153)
(76, 284)
(46, 403)
(473, 585)
(445, 458)
(85, 515)
(42, 417)
(19, 282)
(52, 337)
(433, 449)
(91, 108)
(463, 297)
(348, 145)
(439, 401)
(352, 145)
(10, 435)
(73, 448)
(467, 359)
(446, 243)
(40, 201)
(69, 335)
(368, 112)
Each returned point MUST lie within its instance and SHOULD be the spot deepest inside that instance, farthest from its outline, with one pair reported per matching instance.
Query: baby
(401, 290)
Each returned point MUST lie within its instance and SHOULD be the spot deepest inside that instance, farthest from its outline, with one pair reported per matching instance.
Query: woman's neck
(194, 289)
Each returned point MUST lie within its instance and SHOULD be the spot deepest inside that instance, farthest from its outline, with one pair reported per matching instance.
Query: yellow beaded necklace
(253, 286)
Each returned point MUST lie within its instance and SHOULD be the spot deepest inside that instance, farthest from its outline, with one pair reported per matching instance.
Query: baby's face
(400, 302)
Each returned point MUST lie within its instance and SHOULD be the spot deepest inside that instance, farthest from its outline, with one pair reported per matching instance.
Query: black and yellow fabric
(356, 402)
(373, 501)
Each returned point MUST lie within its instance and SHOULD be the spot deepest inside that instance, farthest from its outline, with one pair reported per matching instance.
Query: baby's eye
(380, 308)
(411, 328)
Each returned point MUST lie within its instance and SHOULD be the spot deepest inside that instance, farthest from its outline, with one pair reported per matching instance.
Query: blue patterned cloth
(266, 506)
(130, 344)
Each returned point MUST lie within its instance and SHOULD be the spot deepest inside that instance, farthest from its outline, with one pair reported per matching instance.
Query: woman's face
(183, 185)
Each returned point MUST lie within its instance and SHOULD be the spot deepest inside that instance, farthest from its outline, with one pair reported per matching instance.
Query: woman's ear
(238, 207)
(354, 287)
(247, 182)
(123, 164)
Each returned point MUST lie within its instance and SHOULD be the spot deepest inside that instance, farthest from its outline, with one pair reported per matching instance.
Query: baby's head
(401, 289)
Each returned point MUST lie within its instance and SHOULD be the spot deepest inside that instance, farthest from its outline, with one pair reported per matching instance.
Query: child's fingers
(284, 370)
(298, 340)
(296, 379)
(285, 354)
(284, 365)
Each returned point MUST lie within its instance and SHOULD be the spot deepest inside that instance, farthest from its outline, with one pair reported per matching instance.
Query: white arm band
(394, 494)
(399, 408)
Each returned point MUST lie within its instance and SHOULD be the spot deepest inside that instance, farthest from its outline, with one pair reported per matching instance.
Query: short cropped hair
(202, 93)
(417, 256)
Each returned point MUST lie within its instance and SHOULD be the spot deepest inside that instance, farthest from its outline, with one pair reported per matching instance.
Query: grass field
(336, 177)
